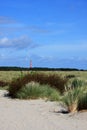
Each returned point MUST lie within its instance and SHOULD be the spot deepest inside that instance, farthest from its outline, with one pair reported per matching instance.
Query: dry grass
(9, 75)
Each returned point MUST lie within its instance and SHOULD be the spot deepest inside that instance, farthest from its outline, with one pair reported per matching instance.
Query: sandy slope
(37, 115)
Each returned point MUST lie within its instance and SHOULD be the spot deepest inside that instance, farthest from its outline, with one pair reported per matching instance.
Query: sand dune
(37, 115)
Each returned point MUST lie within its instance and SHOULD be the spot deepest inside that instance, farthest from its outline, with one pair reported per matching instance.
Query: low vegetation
(78, 83)
(53, 80)
(3, 83)
(75, 96)
(34, 90)
(70, 87)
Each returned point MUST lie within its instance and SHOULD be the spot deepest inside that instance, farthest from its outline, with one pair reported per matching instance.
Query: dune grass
(34, 90)
(49, 86)
(53, 80)
(75, 98)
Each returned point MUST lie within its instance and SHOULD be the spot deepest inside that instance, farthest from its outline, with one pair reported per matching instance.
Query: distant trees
(10, 68)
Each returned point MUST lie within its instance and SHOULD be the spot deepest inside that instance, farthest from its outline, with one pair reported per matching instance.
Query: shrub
(70, 76)
(53, 80)
(3, 84)
(35, 90)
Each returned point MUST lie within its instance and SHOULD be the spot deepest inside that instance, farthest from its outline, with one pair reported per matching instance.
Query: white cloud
(17, 43)
(4, 40)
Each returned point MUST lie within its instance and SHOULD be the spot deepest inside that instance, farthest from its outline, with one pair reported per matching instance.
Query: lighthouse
(30, 64)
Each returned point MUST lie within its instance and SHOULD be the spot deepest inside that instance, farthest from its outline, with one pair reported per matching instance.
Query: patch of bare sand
(37, 115)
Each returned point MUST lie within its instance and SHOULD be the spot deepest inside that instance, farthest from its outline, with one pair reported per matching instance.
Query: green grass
(75, 98)
(82, 102)
(35, 90)
(4, 88)
(78, 83)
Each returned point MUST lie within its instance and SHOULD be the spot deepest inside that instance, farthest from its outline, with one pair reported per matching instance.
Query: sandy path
(36, 115)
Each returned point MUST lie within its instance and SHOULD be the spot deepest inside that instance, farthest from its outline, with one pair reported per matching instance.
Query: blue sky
(51, 33)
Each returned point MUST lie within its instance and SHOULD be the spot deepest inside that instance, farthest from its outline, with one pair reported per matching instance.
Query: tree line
(9, 68)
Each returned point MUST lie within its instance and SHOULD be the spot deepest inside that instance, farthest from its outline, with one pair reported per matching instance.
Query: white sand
(37, 115)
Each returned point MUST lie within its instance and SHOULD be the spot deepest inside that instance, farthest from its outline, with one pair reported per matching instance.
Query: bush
(53, 80)
(3, 84)
(35, 90)
(70, 76)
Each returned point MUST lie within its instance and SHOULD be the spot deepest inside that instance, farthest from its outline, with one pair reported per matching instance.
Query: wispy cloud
(58, 28)
(21, 27)
(36, 29)
(61, 24)
(6, 20)
(16, 43)
(6, 23)
(68, 46)
(50, 61)
(62, 50)
(50, 23)
(13, 26)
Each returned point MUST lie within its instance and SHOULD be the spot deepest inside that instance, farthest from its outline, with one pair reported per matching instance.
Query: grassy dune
(9, 75)
(70, 87)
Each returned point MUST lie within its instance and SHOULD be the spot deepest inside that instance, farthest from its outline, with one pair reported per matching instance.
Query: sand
(37, 115)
